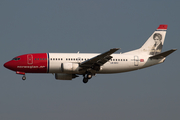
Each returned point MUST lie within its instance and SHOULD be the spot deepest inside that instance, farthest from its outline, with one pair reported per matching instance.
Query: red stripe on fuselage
(30, 63)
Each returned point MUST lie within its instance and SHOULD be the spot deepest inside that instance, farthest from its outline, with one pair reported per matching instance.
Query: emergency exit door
(136, 60)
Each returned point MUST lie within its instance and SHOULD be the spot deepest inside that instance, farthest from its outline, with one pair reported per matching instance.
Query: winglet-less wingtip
(115, 49)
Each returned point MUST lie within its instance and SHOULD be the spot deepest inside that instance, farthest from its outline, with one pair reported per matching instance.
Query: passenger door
(29, 59)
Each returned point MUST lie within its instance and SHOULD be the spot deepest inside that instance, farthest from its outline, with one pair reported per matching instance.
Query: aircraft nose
(6, 65)
(9, 65)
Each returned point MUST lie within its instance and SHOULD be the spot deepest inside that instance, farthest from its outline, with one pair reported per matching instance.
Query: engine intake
(70, 67)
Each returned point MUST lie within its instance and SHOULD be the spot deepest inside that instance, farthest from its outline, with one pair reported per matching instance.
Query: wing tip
(116, 48)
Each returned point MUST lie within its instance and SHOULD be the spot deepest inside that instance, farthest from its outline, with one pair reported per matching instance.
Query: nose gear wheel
(24, 77)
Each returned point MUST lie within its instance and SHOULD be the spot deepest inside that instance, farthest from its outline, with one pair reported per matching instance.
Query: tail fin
(155, 42)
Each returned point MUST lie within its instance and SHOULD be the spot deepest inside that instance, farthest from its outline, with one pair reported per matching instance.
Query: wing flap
(99, 59)
(104, 60)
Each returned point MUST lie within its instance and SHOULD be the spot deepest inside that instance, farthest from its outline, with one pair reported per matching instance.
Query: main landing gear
(87, 77)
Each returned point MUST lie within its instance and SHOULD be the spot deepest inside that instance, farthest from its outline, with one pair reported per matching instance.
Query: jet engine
(62, 76)
(70, 67)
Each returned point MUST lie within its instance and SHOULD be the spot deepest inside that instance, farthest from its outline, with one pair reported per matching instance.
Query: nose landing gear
(24, 77)
(21, 73)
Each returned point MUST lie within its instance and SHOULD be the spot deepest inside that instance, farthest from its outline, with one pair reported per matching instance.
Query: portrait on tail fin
(157, 47)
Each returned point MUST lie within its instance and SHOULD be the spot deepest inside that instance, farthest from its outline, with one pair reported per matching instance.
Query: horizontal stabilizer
(162, 55)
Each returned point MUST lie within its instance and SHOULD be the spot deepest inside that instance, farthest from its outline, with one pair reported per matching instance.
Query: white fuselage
(119, 63)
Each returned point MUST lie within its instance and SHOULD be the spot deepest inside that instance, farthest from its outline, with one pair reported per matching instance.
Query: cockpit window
(16, 58)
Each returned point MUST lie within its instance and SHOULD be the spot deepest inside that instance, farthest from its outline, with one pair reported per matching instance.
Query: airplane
(67, 66)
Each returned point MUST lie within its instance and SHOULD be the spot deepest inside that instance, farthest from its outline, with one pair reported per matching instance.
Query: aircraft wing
(162, 55)
(98, 60)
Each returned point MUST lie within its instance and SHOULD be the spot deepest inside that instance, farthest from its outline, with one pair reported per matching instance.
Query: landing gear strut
(24, 77)
(21, 73)
(87, 76)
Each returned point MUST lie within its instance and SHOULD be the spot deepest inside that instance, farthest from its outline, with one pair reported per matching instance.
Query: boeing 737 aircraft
(67, 66)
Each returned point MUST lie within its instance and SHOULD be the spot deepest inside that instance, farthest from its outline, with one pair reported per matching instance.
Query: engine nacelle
(70, 67)
(62, 76)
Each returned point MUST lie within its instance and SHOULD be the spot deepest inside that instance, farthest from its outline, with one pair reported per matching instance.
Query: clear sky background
(37, 26)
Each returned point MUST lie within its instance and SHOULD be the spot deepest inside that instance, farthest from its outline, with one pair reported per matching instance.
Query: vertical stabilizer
(155, 42)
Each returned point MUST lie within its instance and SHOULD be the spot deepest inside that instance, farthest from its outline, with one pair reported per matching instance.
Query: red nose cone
(6, 65)
(9, 65)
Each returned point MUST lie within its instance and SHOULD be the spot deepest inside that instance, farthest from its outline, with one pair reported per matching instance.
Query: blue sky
(93, 27)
